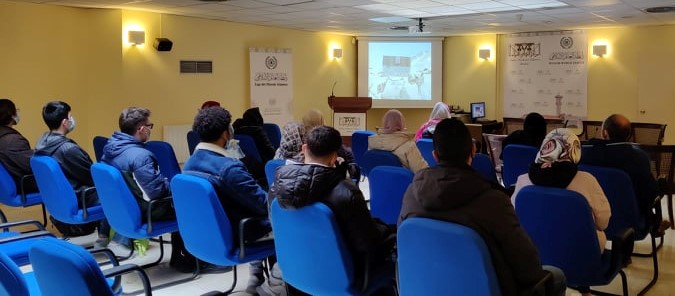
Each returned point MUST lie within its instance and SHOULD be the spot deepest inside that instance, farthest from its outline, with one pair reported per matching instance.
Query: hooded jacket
(460, 195)
(251, 124)
(74, 161)
(127, 154)
(15, 154)
(402, 146)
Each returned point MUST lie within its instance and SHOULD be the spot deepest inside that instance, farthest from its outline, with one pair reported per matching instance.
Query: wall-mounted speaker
(163, 44)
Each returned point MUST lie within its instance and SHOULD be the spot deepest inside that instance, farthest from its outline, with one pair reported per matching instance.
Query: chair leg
(3, 218)
(161, 255)
(655, 260)
(44, 215)
(670, 211)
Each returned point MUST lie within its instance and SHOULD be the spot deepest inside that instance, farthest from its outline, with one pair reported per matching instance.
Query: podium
(349, 115)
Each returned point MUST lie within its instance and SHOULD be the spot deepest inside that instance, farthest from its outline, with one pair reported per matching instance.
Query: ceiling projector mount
(419, 28)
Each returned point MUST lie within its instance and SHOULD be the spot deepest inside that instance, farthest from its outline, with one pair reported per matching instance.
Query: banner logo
(271, 62)
(566, 42)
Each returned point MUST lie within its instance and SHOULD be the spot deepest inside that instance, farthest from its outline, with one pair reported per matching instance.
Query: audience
(15, 152)
(391, 137)
(314, 118)
(532, 134)
(453, 191)
(251, 124)
(74, 161)
(292, 137)
(239, 194)
(556, 166)
(438, 113)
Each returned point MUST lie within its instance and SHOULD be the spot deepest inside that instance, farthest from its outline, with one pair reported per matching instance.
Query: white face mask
(72, 124)
(16, 118)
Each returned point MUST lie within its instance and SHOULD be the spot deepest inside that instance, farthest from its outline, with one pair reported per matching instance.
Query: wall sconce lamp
(337, 53)
(136, 37)
(484, 54)
(599, 50)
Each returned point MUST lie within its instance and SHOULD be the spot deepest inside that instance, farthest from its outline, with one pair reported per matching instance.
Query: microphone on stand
(332, 89)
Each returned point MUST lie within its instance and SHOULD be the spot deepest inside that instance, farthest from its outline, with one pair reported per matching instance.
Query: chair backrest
(119, 204)
(517, 160)
(7, 185)
(360, 144)
(618, 189)
(375, 157)
(166, 158)
(514, 124)
(57, 193)
(309, 237)
(554, 123)
(247, 145)
(426, 148)
(273, 133)
(427, 248)
(648, 133)
(483, 164)
(99, 142)
(192, 141)
(387, 186)
(202, 221)
(592, 129)
(63, 268)
(271, 168)
(493, 146)
(476, 132)
(560, 223)
(12, 281)
(662, 161)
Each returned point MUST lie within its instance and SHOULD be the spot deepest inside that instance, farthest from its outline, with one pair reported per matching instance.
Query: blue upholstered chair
(59, 196)
(436, 257)
(62, 268)
(313, 255)
(16, 244)
(560, 223)
(426, 148)
(375, 157)
(247, 145)
(192, 141)
(271, 168)
(387, 186)
(517, 160)
(122, 210)
(483, 164)
(206, 229)
(13, 282)
(166, 158)
(9, 196)
(99, 142)
(360, 145)
(273, 133)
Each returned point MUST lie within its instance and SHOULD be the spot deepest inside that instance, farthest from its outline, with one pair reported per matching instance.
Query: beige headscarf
(313, 117)
(392, 121)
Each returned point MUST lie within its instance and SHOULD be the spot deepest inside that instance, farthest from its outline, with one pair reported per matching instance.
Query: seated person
(532, 134)
(391, 137)
(318, 180)
(74, 161)
(251, 124)
(15, 152)
(614, 150)
(239, 194)
(453, 191)
(292, 137)
(126, 151)
(438, 113)
(556, 166)
(314, 118)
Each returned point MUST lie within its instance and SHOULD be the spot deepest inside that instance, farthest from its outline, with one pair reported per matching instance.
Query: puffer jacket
(74, 161)
(403, 146)
(127, 154)
(15, 154)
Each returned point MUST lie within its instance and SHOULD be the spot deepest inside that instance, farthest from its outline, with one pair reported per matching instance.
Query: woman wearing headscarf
(392, 137)
(556, 166)
(438, 113)
(292, 137)
(251, 124)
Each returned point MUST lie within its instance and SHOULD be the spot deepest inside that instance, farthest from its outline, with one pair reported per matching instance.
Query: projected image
(399, 71)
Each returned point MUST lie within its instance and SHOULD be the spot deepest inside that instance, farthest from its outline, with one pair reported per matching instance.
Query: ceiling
(376, 17)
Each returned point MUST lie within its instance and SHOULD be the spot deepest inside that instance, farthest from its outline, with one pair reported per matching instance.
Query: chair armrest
(622, 248)
(22, 187)
(242, 229)
(82, 197)
(25, 236)
(112, 259)
(126, 268)
(152, 203)
(37, 224)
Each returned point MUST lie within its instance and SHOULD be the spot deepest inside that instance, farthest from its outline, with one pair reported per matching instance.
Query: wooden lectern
(349, 115)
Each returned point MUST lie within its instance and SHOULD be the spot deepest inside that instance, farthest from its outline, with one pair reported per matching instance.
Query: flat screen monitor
(477, 110)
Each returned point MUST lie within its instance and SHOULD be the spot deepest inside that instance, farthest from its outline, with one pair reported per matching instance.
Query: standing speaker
(163, 44)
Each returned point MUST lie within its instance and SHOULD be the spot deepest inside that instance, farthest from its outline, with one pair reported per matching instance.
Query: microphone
(332, 89)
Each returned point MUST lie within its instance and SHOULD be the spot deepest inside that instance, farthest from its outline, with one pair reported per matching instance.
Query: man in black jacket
(15, 152)
(453, 191)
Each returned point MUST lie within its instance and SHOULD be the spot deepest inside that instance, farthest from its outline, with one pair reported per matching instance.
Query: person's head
(440, 111)
(392, 121)
(535, 124)
(560, 145)
(209, 104)
(135, 121)
(8, 113)
(452, 142)
(213, 125)
(292, 137)
(57, 117)
(616, 128)
(312, 118)
(253, 117)
(323, 143)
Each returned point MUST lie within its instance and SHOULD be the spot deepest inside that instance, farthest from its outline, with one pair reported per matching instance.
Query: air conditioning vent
(196, 67)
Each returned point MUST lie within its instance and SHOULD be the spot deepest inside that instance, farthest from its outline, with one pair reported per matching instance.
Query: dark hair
(617, 127)
(535, 124)
(54, 113)
(132, 118)
(7, 110)
(452, 141)
(211, 122)
(323, 140)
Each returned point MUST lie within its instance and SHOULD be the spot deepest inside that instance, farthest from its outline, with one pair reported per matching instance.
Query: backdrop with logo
(546, 72)
(272, 83)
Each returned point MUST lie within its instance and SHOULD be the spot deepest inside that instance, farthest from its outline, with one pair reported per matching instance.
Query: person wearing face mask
(15, 152)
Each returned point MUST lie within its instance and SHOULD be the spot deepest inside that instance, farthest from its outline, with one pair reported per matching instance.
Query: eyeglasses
(150, 125)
